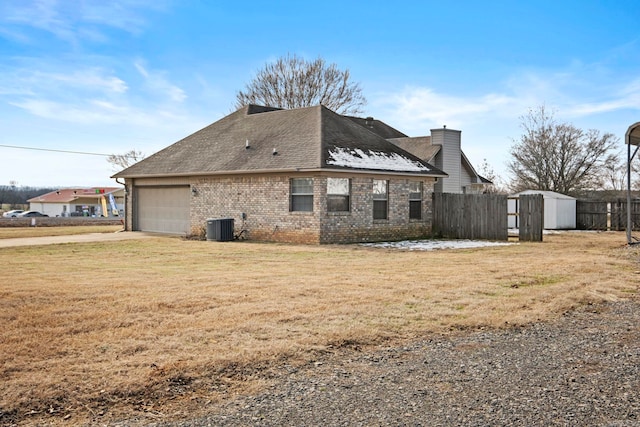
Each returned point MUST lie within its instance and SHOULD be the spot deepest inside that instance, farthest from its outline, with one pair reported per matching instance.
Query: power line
(55, 151)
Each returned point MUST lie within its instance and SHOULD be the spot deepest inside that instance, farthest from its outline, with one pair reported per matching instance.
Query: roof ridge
(257, 109)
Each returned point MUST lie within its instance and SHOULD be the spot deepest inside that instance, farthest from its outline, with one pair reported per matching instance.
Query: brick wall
(264, 201)
(358, 225)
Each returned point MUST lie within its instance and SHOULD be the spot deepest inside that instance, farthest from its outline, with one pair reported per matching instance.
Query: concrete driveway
(75, 238)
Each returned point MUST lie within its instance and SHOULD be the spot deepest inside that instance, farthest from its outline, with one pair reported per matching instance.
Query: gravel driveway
(580, 370)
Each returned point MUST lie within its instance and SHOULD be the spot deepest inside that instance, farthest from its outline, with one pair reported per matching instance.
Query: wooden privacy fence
(531, 217)
(470, 216)
(603, 215)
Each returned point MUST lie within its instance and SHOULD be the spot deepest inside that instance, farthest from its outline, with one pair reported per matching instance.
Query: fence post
(531, 217)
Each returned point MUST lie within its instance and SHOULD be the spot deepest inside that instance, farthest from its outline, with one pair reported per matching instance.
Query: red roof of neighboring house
(66, 195)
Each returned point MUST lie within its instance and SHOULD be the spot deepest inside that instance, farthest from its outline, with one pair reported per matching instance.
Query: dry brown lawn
(98, 332)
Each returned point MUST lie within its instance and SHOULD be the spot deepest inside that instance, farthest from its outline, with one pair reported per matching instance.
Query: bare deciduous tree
(615, 173)
(558, 156)
(123, 161)
(292, 82)
(497, 185)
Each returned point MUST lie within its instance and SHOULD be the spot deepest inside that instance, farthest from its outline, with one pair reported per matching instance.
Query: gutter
(290, 170)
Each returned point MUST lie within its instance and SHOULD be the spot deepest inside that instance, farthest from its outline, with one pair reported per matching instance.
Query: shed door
(163, 209)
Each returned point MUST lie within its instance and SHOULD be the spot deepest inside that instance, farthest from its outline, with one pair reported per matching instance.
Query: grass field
(161, 327)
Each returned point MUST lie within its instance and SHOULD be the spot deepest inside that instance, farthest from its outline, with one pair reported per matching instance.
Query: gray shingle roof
(305, 139)
(378, 127)
(419, 146)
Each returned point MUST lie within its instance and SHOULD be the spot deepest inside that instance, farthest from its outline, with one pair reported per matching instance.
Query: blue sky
(100, 76)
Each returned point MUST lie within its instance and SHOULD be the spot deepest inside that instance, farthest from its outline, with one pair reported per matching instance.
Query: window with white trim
(301, 195)
(338, 194)
(380, 198)
(415, 200)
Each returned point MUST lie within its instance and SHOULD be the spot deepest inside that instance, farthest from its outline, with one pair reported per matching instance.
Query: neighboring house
(305, 175)
(559, 210)
(80, 202)
(443, 150)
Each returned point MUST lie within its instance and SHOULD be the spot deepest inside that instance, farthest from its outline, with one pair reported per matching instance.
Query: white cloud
(419, 108)
(40, 14)
(97, 111)
(65, 92)
(626, 97)
(75, 21)
(47, 79)
(14, 35)
(159, 85)
(92, 78)
(572, 94)
(122, 15)
(78, 113)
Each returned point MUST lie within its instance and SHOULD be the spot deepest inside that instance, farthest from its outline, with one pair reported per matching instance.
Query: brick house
(304, 175)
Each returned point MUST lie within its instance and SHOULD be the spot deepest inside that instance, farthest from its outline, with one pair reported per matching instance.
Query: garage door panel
(163, 209)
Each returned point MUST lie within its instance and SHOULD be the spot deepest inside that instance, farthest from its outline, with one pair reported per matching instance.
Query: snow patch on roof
(357, 158)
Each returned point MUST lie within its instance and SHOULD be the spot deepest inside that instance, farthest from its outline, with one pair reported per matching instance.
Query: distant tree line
(13, 195)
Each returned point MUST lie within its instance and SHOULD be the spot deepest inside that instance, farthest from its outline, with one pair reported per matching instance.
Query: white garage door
(163, 209)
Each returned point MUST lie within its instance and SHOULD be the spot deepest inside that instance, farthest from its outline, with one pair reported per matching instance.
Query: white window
(338, 194)
(301, 195)
(415, 200)
(380, 198)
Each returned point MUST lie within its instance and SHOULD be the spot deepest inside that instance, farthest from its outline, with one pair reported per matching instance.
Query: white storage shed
(559, 210)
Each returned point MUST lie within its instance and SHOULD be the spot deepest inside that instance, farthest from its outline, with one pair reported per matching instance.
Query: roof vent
(247, 145)
(275, 152)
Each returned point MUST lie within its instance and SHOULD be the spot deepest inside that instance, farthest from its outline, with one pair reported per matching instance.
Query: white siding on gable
(449, 159)
(470, 180)
(465, 178)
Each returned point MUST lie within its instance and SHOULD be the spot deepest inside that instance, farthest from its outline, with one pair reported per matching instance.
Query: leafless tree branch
(123, 161)
(293, 82)
(559, 156)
